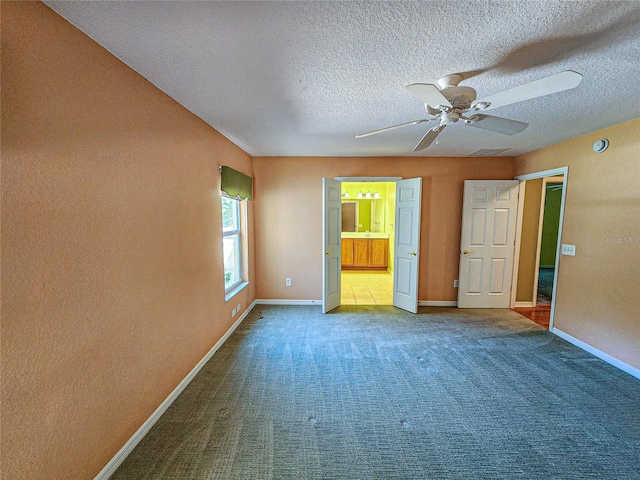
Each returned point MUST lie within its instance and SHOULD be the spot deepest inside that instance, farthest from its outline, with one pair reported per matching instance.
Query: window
(231, 242)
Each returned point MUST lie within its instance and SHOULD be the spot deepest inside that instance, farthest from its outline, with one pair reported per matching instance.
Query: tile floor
(367, 288)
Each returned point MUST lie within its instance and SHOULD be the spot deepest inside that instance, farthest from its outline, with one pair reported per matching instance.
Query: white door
(331, 244)
(407, 244)
(487, 242)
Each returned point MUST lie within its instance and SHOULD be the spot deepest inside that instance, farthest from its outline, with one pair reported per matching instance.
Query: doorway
(368, 211)
(549, 222)
(369, 247)
(536, 278)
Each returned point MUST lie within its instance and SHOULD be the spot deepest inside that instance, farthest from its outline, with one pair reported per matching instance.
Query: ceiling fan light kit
(448, 102)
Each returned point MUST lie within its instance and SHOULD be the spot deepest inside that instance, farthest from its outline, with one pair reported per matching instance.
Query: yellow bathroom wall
(371, 211)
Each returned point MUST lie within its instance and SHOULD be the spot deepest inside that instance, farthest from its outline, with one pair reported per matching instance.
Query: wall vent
(487, 152)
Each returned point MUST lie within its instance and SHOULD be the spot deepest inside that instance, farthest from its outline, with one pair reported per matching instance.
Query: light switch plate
(568, 249)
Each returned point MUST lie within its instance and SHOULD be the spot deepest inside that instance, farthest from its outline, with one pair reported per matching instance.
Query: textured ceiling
(302, 78)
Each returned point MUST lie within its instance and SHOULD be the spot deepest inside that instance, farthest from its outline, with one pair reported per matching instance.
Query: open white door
(331, 243)
(407, 244)
(489, 214)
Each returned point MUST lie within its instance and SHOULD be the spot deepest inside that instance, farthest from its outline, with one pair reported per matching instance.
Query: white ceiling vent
(487, 152)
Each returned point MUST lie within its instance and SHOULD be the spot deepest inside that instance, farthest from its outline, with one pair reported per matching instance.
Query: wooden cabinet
(347, 252)
(361, 252)
(364, 253)
(379, 251)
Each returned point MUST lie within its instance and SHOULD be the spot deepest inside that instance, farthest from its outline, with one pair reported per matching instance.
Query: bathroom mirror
(365, 206)
(363, 215)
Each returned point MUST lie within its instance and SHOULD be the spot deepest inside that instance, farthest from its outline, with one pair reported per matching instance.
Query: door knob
(413, 253)
(329, 253)
(466, 252)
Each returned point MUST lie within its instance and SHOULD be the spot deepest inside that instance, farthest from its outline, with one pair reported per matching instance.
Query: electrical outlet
(568, 249)
(287, 282)
(233, 312)
(455, 283)
(238, 308)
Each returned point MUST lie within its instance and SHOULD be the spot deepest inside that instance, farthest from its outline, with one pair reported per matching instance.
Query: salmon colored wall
(597, 298)
(111, 247)
(289, 217)
(529, 240)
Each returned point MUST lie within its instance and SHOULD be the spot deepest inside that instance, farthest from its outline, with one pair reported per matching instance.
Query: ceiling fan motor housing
(460, 97)
(449, 118)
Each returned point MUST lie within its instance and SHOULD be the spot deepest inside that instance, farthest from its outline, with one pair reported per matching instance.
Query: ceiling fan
(449, 103)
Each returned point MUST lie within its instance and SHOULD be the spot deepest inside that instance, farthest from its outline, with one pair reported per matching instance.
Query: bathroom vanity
(364, 251)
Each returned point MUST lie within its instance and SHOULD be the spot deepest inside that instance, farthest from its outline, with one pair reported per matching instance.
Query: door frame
(364, 179)
(564, 171)
(543, 197)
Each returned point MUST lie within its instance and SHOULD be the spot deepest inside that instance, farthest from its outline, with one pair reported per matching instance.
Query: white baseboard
(633, 371)
(421, 303)
(278, 301)
(523, 305)
(437, 303)
(128, 447)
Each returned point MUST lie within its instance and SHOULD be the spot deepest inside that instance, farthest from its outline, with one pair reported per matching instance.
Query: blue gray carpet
(378, 393)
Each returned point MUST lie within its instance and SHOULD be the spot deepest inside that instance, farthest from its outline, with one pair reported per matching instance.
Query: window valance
(236, 184)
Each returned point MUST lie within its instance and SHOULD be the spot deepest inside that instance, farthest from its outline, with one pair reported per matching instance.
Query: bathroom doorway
(368, 228)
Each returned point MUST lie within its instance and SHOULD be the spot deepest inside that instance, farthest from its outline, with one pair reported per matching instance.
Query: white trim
(235, 290)
(625, 367)
(110, 468)
(545, 173)
(368, 179)
(437, 303)
(536, 267)
(516, 248)
(523, 305)
(421, 303)
(282, 301)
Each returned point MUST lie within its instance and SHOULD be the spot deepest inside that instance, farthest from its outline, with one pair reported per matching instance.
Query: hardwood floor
(539, 314)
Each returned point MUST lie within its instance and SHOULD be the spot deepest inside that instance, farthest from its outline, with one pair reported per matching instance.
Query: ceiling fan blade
(545, 86)
(415, 122)
(429, 94)
(496, 124)
(428, 138)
